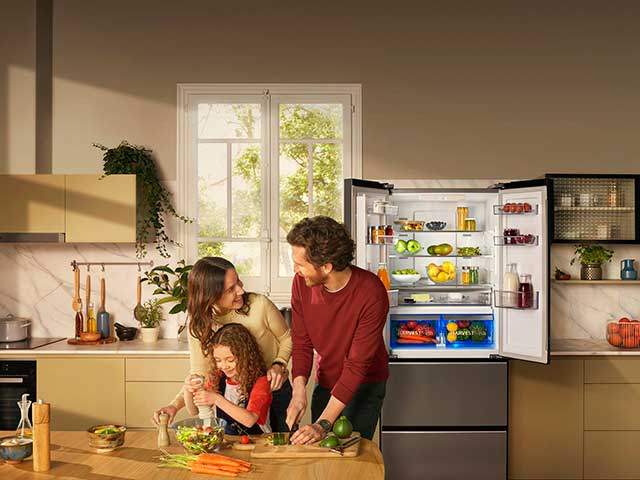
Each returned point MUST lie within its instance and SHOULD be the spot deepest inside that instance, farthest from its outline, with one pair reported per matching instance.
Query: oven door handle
(11, 380)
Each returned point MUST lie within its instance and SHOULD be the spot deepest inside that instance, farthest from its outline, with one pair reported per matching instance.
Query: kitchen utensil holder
(75, 264)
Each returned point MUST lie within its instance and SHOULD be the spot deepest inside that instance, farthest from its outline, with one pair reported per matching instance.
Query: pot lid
(11, 318)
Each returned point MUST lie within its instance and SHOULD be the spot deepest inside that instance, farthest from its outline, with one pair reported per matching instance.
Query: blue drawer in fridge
(414, 331)
(468, 331)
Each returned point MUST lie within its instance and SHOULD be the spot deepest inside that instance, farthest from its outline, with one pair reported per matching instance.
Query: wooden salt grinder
(41, 436)
(163, 434)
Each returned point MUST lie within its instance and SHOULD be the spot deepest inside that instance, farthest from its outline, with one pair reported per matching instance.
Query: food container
(470, 224)
(14, 329)
(406, 279)
(624, 334)
(15, 449)
(411, 333)
(413, 226)
(106, 438)
(436, 225)
(198, 439)
(443, 273)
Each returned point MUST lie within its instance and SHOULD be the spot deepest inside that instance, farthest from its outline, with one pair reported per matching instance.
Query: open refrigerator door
(521, 299)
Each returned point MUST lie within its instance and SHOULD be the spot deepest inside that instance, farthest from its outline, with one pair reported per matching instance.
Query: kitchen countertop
(164, 346)
(71, 457)
(585, 346)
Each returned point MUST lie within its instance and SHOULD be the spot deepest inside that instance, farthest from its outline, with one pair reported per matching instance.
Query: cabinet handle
(11, 380)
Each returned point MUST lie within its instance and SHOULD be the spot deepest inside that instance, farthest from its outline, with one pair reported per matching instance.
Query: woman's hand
(205, 397)
(308, 434)
(170, 410)
(193, 383)
(277, 375)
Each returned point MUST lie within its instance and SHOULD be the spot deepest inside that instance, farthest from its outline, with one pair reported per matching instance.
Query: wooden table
(71, 458)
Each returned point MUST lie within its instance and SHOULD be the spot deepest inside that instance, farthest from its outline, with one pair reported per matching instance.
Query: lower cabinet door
(445, 455)
(143, 398)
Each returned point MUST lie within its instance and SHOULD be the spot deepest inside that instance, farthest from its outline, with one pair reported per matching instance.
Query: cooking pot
(14, 329)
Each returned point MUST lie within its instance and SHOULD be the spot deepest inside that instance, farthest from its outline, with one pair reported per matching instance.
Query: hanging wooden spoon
(76, 303)
(88, 291)
(138, 311)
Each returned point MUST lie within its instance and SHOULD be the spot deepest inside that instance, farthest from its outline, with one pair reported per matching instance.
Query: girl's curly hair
(249, 361)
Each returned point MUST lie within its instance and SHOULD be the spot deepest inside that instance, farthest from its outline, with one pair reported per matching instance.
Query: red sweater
(345, 328)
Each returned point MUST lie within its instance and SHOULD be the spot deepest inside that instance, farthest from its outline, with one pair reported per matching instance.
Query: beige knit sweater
(266, 324)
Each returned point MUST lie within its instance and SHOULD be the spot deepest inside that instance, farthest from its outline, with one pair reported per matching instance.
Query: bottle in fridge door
(510, 284)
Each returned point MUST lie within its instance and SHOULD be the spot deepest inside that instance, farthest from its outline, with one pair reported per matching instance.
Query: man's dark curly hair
(325, 241)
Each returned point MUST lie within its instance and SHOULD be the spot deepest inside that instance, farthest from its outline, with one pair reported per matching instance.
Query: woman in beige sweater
(216, 297)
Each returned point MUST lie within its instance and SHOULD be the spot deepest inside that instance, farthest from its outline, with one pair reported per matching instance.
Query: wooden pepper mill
(163, 433)
(41, 436)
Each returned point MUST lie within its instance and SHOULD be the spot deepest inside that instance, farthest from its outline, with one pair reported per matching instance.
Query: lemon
(442, 277)
(433, 272)
(451, 337)
(452, 275)
(448, 267)
(452, 327)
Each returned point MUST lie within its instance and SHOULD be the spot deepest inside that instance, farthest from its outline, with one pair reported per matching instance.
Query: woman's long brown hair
(205, 287)
(249, 361)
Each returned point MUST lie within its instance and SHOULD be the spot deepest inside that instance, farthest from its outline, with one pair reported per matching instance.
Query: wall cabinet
(32, 203)
(100, 209)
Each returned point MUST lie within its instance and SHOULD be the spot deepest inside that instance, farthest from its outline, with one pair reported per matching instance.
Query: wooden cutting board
(303, 451)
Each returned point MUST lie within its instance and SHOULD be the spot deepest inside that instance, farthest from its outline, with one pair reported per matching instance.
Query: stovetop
(28, 344)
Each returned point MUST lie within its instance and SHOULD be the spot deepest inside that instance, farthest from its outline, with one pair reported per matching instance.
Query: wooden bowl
(90, 336)
(106, 442)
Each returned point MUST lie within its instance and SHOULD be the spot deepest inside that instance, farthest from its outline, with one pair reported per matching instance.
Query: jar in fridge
(525, 292)
(473, 276)
(470, 224)
(380, 233)
(461, 216)
(371, 234)
(465, 276)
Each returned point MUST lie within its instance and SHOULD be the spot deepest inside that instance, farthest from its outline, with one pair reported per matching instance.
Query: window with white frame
(253, 161)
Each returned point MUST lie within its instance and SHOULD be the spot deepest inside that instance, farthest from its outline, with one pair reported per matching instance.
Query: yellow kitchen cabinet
(611, 406)
(611, 455)
(546, 419)
(157, 369)
(100, 209)
(82, 391)
(143, 398)
(32, 203)
(612, 370)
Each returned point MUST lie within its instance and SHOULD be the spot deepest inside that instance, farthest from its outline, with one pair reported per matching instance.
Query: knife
(341, 448)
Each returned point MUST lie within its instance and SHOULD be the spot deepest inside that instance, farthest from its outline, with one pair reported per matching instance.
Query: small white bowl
(405, 279)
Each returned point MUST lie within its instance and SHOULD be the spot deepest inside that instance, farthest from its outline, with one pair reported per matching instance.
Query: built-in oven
(16, 378)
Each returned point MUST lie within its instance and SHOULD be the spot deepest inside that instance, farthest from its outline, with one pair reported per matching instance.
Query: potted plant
(591, 258)
(172, 283)
(155, 205)
(150, 320)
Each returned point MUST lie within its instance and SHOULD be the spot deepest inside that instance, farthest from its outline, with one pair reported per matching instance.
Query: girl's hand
(193, 383)
(204, 397)
(277, 375)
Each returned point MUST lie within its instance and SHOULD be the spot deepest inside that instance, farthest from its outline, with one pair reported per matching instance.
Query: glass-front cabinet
(594, 208)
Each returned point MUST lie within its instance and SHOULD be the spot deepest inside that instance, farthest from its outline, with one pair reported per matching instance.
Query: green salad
(199, 439)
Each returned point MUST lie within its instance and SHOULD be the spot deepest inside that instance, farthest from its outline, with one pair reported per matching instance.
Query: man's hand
(297, 407)
(205, 397)
(277, 375)
(193, 383)
(308, 434)
(170, 410)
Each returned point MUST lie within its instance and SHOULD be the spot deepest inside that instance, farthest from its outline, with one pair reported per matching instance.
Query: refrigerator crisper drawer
(425, 331)
(446, 394)
(445, 455)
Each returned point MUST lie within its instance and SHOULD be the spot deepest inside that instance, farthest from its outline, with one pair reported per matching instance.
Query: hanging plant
(156, 199)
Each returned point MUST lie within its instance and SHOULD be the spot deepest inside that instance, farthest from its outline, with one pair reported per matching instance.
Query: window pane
(327, 180)
(224, 120)
(294, 190)
(246, 256)
(286, 264)
(246, 189)
(311, 120)
(212, 190)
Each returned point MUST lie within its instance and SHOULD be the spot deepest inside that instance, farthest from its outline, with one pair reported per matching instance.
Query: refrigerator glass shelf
(513, 300)
(499, 210)
(453, 287)
(442, 257)
(404, 233)
(515, 241)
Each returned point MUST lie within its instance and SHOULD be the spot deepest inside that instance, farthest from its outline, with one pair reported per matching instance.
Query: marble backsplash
(582, 310)
(37, 283)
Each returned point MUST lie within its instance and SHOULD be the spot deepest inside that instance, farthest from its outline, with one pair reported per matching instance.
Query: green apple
(413, 246)
(401, 246)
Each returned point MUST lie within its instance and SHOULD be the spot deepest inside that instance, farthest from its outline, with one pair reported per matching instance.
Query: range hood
(31, 237)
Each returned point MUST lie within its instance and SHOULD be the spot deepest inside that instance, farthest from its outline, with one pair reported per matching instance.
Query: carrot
(214, 458)
(208, 469)
(238, 469)
(413, 337)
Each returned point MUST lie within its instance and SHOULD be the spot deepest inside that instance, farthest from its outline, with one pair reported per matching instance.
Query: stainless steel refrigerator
(455, 316)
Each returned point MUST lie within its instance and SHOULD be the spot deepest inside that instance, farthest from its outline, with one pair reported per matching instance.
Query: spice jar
(465, 276)
(470, 224)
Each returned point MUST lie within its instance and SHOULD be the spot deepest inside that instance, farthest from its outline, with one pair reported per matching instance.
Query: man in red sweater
(339, 310)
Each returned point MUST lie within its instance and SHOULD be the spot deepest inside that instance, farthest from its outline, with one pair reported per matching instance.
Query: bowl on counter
(436, 225)
(405, 279)
(624, 333)
(15, 449)
(196, 439)
(125, 333)
(90, 336)
(106, 438)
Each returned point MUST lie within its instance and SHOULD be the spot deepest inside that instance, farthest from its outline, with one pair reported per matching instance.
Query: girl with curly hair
(237, 386)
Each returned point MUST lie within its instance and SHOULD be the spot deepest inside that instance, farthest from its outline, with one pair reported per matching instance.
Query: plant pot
(591, 271)
(150, 335)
